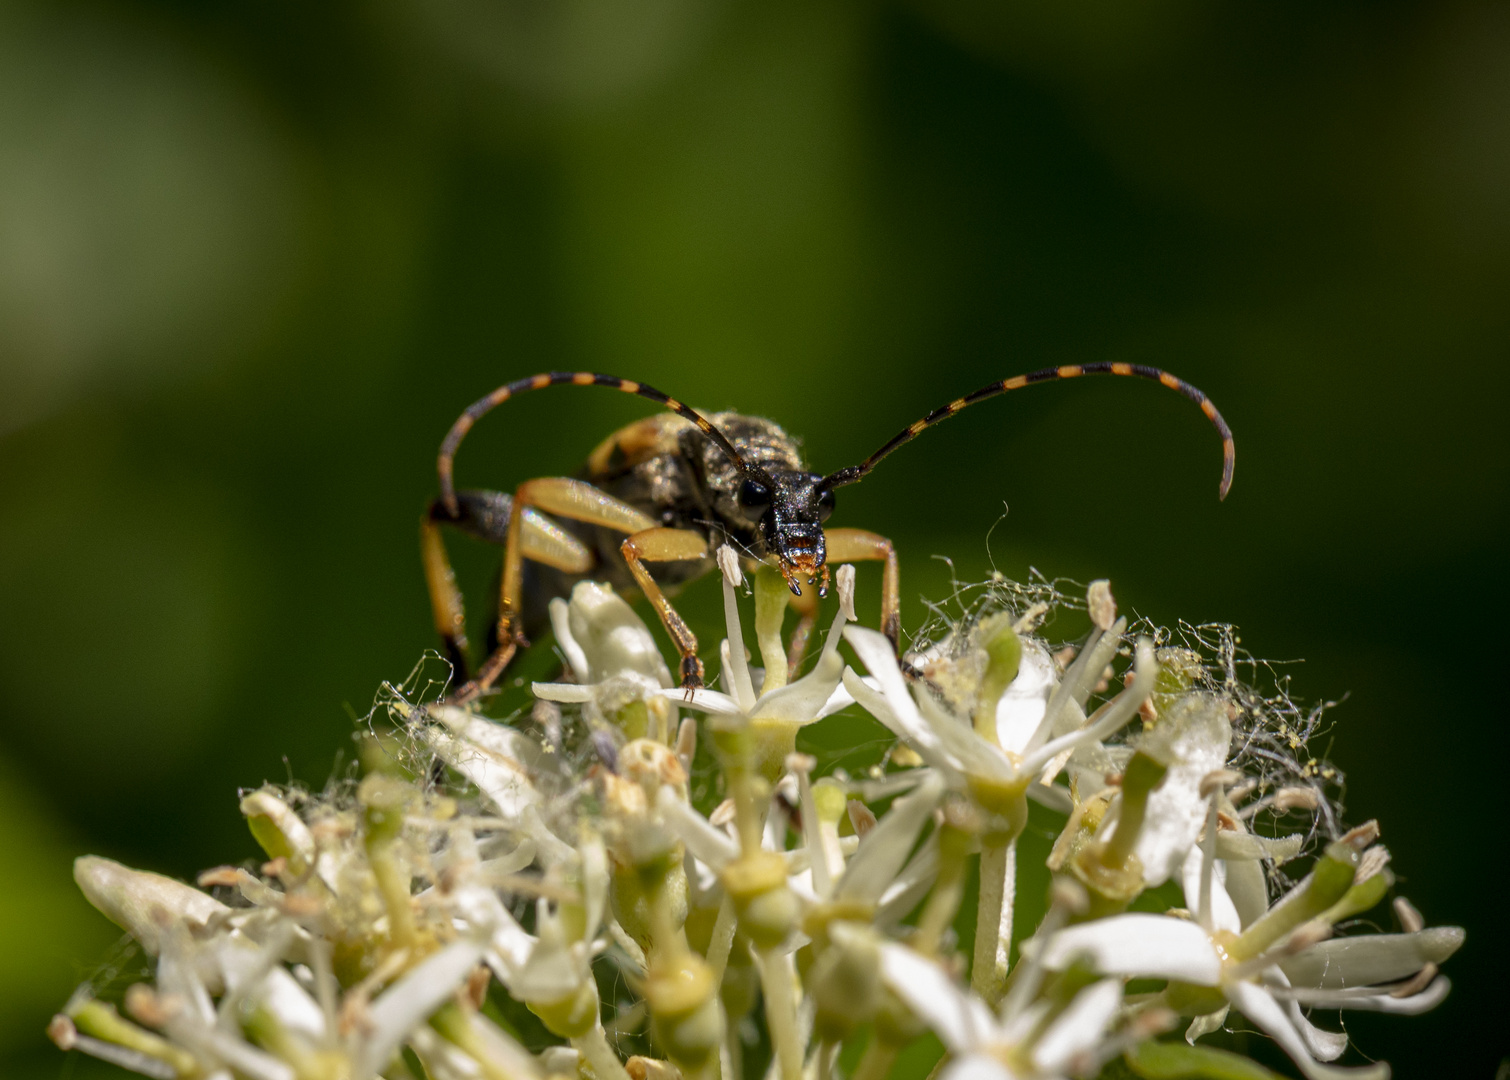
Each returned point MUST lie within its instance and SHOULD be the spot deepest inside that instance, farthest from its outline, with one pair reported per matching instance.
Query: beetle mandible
(657, 498)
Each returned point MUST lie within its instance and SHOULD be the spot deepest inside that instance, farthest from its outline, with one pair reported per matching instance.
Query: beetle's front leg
(668, 545)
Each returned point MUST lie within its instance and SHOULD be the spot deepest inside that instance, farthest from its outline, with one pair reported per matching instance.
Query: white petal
(956, 734)
(1024, 1022)
(907, 725)
(800, 702)
(976, 1067)
(1021, 708)
(1154, 946)
(412, 999)
(561, 624)
(1198, 736)
(1369, 999)
(959, 1018)
(1223, 910)
(880, 658)
(566, 693)
(1323, 1044)
(143, 903)
(1259, 1006)
(274, 990)
(1078, 679)
(1121, 709)
(841, 698)
(1080, 1027)
(909, 887)
(614, 639)
(492, 758)
(709, 844)
(708, 701)
(884, 850)
(483, 913)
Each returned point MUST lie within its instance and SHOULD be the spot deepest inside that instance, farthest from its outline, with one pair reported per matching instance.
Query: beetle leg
(564, 498)
(668, 545)
(488, 516)
(445, 596)
(856, 545)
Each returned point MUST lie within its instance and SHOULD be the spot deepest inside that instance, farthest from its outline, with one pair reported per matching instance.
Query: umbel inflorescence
(635, 882)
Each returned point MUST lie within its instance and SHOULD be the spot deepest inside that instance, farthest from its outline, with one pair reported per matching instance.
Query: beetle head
(791, 507)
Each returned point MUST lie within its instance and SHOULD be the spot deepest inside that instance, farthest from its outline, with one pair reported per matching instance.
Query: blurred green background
(255, 257)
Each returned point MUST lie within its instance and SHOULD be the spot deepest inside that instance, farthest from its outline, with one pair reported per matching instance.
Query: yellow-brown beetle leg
(485, 515)
(563, 498)
(668, 545)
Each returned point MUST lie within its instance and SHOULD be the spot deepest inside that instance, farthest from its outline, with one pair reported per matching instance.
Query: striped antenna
(855, 473)
(482, 406)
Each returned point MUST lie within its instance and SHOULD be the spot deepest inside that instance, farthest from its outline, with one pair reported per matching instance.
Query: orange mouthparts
(804, 565)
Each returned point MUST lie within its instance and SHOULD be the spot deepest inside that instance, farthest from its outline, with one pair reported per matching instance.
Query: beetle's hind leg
(486, 515)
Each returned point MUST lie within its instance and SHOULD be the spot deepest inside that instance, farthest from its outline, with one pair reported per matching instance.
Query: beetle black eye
(753, 495)
(825, 504)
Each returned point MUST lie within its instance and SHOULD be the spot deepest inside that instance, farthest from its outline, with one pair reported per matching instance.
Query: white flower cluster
(802, 914)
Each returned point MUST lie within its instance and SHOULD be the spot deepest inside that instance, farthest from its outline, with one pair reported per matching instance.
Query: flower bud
(684, 1014)
(571, 1016)
(278, 830)
(845, 982)
(767, 910)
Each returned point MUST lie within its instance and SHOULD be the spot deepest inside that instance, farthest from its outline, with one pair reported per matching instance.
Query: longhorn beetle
(657, 497)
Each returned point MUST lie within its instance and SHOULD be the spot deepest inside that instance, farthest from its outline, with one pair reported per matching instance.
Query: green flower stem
(455, 1026)
(384, 800)
(957, 835)
(722, 939)
(599, 1055)
(101, 1021)
(771, 597)
(993, 921)
(875, 1064)
(1007, 805)
(781, 1012)
(736, 752)
(1143, 774)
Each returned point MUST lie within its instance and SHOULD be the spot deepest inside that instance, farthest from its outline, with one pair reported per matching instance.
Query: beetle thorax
(763, 445)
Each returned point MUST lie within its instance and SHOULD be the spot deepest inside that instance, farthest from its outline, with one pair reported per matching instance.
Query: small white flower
(950, 744)
(1162, 946)
(812, 697)
(614, 658)
(985, 1046)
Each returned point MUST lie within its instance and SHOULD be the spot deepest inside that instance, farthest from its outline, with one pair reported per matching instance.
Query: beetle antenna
(855, 473)
(478, 409)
